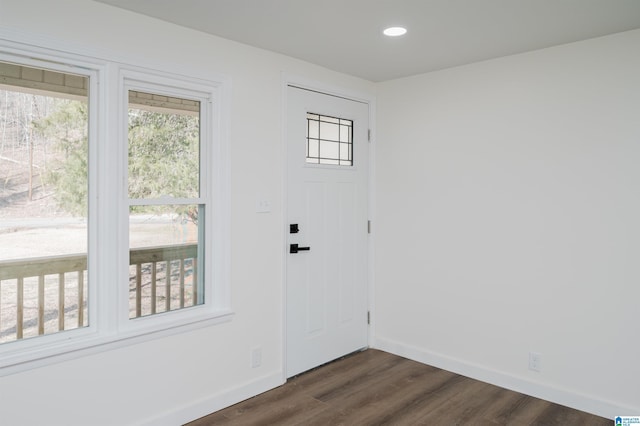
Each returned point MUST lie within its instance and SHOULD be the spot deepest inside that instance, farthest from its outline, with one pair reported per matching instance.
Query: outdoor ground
(37, 227)
(33, 226)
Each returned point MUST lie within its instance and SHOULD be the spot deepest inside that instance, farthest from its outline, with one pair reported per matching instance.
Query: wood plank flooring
(377, 388)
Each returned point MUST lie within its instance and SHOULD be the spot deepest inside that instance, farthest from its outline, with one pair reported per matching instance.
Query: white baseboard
(215, 402)
(607, 409)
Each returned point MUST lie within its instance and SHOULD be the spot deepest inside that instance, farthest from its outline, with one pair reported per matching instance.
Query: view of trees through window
(44, 202)
(165, 209)
(43, 207)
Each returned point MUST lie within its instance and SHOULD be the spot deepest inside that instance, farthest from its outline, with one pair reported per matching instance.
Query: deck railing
(49, 294)
(29, 280)
(163, 279)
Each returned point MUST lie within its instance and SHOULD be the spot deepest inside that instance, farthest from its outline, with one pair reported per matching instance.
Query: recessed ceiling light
(395, 31)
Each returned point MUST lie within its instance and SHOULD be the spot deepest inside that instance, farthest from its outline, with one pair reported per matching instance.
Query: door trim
(340, 92)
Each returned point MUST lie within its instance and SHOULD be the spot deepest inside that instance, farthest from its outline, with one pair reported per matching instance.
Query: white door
(327, 193)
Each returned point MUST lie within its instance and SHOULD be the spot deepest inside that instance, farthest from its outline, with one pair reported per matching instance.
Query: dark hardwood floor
(377, 388)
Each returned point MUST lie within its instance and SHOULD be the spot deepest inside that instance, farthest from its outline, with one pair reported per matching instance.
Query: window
(109, 232)
(174, 272)
(44, 187)
(329, 140)
(166, 204)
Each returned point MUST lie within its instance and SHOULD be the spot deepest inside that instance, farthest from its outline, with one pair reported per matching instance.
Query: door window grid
(329, 140)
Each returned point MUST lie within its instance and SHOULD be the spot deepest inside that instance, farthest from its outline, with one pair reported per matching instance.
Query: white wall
(507, 209)
(182, 377)
(508, 221)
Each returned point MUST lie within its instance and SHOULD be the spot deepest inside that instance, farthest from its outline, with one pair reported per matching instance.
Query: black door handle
(294, 248)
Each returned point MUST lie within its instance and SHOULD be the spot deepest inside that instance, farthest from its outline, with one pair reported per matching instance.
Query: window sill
(80, 343)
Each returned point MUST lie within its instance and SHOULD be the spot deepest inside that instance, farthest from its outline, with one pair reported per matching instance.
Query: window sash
(155, 84)
(25, 349)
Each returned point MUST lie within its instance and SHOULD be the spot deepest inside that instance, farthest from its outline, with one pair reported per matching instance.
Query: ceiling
(346, 35)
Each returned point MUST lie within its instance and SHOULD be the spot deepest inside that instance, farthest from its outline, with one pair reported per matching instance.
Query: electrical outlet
(535, 361)
(256, 357)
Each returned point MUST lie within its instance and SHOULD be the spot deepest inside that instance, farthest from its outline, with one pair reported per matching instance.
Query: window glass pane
(330, 161)
(164, 239)
(326, 119)
(44, 157)
(313, 148)
(329, 131)
(345, 133)
(329, 150)
(164, 271)
(164, 146)
(345, 152)
(329, 140)
(314, 129)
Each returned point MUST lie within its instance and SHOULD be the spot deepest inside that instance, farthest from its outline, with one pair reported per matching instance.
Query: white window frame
(216, 297)
(32, 348)
(109, 326)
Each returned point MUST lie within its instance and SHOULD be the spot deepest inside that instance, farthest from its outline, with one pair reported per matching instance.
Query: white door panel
(326, 285)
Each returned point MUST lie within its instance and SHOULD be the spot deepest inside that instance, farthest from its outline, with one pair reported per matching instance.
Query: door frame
(341, 92)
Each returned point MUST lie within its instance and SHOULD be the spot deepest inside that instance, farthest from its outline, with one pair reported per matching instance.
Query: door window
(329, 140)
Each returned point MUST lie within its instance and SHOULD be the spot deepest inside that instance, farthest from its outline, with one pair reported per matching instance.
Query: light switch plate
(263, 206)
